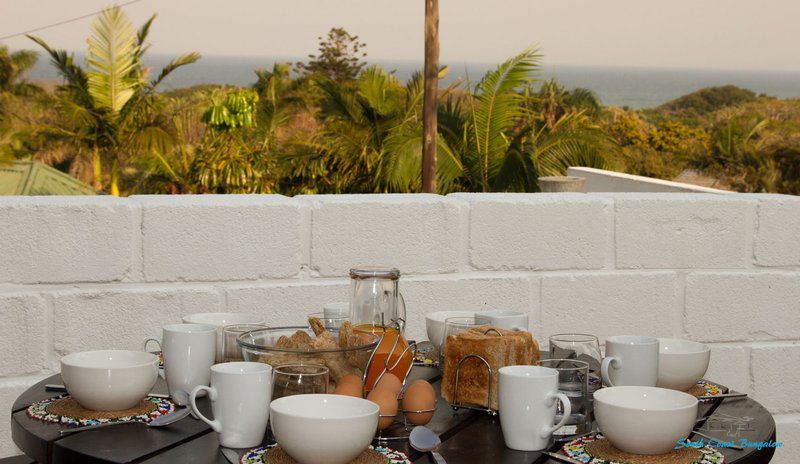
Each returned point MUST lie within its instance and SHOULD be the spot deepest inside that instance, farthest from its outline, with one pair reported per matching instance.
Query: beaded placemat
(64, 410)
(704, 388)
(426, 355)
(274, 454)
(598, 450)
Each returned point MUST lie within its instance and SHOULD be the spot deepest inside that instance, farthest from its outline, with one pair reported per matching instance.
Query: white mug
(240, 393)
(220, 320)
(527, 404)
(630, 360)
(505, 319)
(189, 351)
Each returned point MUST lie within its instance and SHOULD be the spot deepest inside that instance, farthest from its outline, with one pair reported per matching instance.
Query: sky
(704, 34)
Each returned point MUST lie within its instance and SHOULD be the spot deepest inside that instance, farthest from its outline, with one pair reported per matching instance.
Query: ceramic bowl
(323, 429)
(681, 363)
(434, 324)
(220, 320)
(644, 420)
(109, 380)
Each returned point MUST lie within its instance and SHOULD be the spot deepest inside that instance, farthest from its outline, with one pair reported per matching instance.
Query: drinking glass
(299, 379)
(230, 349)
(572, 381)
(453, 326)
(582, 347)
(330, 322)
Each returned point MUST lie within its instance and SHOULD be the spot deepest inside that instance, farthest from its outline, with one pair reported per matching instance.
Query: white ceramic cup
(527, 403)
(503, 318)
(220, 320)
(630, 360)
(189, 351)
(681, 363)
(240, 393)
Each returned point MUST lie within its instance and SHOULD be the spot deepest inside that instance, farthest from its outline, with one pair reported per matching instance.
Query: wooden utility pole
(429, 106)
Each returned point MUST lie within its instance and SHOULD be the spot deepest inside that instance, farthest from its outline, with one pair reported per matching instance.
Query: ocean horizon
(634, 87)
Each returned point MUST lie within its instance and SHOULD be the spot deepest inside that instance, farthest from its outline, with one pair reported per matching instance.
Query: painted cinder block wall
(80, 273)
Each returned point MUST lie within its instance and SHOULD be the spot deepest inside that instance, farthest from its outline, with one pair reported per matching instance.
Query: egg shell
(419, 396)
(349, 389)
(390, 382)
(387, 405)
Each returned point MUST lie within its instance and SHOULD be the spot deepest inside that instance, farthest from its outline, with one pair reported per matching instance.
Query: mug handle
(547, 431)
(212, 395)
(616, 363)
(151, 339)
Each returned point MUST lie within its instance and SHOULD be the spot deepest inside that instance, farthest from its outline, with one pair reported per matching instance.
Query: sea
(616, 86)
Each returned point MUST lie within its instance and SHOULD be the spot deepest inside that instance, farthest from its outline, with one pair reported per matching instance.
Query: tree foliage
(339, 58)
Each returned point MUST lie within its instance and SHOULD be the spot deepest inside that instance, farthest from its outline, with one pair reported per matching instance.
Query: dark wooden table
(467, 437)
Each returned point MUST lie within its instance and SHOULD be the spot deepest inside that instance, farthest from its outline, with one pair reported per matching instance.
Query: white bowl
(323, 429)
(681, 363)
(434, 324)
(644, 420)
(220, 320)
(109, 380)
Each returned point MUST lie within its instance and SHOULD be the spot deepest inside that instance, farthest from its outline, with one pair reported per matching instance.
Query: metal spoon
(723, 395)
(182, 399)
(424, 439)
(159, 421)
(561, 457)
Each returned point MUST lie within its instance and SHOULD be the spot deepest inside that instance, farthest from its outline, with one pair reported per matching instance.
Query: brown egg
(348, 389)
(387, 404)
(349, 378)
(391, 383)
(419, 396)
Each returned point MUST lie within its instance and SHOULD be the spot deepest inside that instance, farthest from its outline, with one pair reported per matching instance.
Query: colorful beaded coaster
(426, 355)
(273, 454)
(598, 450)
(64, 410)
(704, 388)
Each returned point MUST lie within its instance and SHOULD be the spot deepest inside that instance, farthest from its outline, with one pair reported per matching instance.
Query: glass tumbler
(299, 379)
(231, 352)
(572, 381)
(331, 323)
(581, 347)
(453, 326)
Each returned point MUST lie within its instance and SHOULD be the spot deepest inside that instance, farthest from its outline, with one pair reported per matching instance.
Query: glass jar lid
(374, 272)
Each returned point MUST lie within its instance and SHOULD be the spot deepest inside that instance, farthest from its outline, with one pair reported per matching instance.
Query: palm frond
(183, 60)
(496, 108)
(75, 79)
(112, 58)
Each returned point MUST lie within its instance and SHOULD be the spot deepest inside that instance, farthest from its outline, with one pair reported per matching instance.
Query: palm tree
(371, 139)
(502, 144)
(13, 68)
(110, 111)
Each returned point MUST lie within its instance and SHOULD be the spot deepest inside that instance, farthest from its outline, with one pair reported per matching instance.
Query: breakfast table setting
(344, 385)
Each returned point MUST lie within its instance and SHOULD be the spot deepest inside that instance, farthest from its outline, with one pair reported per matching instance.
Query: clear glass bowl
(261, 346)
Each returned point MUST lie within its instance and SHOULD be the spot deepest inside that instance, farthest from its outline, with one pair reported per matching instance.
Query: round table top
(467, 436)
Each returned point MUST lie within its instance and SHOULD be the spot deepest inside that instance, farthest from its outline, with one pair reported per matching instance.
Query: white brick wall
(537, 231)
(214, 238)
(419, 234)
(683, 231)
(80, 273)
(65, 239)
